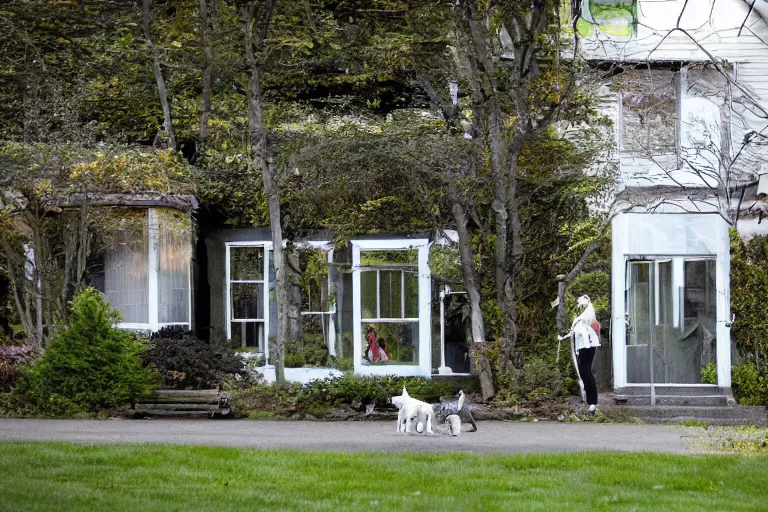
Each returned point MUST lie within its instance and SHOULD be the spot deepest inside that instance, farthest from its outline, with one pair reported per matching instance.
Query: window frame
(153, 282)
(325, 246)
(424, 366)
(266, 247)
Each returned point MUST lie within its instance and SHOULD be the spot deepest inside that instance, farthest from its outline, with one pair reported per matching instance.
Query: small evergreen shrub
(294, 360)
(89, 364)
(187, 362)
(749, 387)
(13, 360)
(709, 373)
(312, 351)
(536, 382)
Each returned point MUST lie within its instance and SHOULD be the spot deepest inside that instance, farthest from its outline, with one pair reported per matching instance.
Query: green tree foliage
(89, 363)
(749, 295)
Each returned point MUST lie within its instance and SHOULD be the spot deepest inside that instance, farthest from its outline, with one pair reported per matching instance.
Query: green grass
(61, 476)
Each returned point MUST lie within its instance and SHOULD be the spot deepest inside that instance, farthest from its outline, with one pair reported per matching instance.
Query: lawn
(61, 476)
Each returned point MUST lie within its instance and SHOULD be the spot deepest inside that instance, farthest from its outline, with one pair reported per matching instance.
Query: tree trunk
(473, 291)
(162, 91)
(262, 159)
(208, 58)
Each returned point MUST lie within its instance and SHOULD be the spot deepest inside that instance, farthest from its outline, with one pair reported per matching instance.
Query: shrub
(749, 386)
(89, 364)
(12, 361)
(709, 373)
(312, 351)
(537, 381)
(294, 360)
(348, 390)
(187, 362)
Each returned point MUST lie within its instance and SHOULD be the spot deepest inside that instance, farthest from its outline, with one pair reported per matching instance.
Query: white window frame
(327, 247)
(153, 282)
(266, 248)
(424, 368)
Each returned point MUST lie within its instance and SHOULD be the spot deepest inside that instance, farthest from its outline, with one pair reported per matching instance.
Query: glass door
(670, 307)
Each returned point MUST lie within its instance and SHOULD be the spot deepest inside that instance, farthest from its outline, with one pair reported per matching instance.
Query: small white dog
(410, 408)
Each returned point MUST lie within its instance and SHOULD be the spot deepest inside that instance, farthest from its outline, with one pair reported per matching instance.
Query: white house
(688, 94)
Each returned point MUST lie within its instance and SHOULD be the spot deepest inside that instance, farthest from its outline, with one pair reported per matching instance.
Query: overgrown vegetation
(749, 302)
(89, 364)
(346, 392)
(187, 362)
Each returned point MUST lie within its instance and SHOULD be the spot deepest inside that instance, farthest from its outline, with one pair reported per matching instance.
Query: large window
(649, 112)
(126, 271)
(389, 289)
(147, 269)
(174, 279)
(247, 290)
(391, 307)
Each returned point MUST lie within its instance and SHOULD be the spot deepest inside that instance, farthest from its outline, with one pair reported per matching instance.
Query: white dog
(411, 408)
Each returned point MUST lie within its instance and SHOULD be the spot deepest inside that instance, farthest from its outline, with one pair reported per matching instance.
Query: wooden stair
(184, 403)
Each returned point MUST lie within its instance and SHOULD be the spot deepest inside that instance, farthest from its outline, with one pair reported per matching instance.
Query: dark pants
(585, 357)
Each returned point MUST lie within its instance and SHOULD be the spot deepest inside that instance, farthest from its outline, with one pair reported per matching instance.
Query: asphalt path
(492, 436)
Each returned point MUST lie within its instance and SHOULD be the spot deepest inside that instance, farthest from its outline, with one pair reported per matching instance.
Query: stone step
(700, 400)
(736, 415)
(662, 389)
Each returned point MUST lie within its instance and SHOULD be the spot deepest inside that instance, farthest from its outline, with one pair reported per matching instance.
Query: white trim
(266, 246)
(133, 326)
(391, 320)
(153, 281)
(620, 275)
(424, 368)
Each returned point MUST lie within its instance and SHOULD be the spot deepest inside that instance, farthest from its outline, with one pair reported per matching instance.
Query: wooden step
(184, 403)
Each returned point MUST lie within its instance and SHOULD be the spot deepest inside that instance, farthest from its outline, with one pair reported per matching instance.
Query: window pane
(411, 295)
(665, 294)
(247, 301)
(368, 293)
(390, 294)
(175, 258)
(649, 111)
(246, 263)
(698, 343)
(126, 280)
(248, 334)
(389, 258)
(313, 281)
(387, 343)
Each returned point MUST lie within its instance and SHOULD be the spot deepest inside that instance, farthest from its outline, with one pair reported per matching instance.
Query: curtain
(175, 257)
(126, 276)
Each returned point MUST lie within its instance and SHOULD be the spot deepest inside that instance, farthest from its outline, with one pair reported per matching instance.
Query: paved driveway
(493, 436)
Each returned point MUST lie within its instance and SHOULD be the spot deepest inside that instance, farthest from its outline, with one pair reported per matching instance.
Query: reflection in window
(391, 343)
(389, 291)
(174, 258)
(649, 111)
(126, 276)
(245, 284)
(318, 310)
